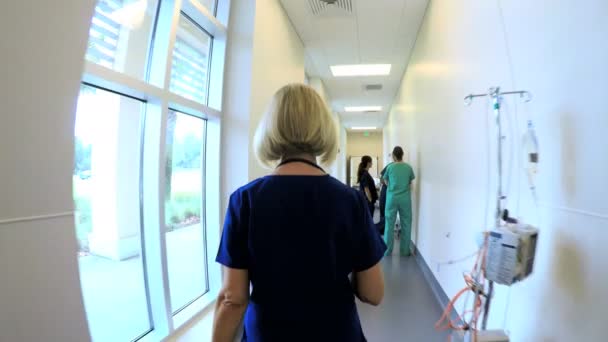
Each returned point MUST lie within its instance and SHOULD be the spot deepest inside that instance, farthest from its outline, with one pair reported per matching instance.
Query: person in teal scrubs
(398, 177)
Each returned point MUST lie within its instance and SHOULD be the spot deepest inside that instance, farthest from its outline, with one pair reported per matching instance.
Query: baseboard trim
(442, 298)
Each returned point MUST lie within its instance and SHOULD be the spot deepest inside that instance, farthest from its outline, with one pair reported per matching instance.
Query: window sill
(192, 311)
(195, 322)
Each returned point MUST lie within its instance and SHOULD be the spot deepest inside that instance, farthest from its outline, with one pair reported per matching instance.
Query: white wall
(236, 102)
(263, 54)
(553, 49)
(278, 59)
(40, 297)
(338, 168)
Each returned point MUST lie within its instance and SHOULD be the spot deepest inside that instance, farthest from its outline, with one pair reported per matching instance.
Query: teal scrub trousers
(402, 204)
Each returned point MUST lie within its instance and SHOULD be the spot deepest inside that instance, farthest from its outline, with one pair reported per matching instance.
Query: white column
(116, 156)
(115, 165)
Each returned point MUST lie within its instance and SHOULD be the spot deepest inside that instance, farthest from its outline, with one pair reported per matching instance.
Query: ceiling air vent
(369, 87)
(319, 6)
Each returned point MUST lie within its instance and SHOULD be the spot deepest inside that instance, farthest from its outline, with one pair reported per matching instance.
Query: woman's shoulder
(283, 182)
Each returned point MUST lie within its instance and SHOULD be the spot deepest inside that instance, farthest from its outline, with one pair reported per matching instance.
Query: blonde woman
(295, 236)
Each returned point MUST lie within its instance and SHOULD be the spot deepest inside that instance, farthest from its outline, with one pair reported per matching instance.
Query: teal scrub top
(399, 176)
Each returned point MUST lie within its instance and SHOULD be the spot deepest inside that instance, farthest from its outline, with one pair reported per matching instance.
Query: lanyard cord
(300, 160)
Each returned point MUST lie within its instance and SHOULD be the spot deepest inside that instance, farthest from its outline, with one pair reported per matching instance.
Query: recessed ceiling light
(361, 70)
(363, 109)
(370, 128)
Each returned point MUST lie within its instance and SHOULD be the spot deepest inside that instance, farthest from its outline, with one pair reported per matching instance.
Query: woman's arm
(368, 194)
(231, 305)
(369, 285)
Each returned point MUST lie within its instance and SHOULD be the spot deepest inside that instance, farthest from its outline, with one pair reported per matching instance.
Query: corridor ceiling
(357, 32)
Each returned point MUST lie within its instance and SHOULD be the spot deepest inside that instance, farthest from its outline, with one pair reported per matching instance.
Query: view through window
(108, 225)
(183, 208)
(140, 167)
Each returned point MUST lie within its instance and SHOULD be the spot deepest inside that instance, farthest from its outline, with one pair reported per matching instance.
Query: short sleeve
(369, 247)
(367, 182)
(233, 251)
(363, 182)
(413, 176)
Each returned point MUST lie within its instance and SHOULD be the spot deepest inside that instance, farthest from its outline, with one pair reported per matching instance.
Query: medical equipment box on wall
(511, 250)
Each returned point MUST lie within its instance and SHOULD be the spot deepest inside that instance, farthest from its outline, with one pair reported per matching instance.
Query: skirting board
(440, 295)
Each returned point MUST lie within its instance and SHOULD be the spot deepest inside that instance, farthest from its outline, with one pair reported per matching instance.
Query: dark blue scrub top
(300, 237)
(367, 181)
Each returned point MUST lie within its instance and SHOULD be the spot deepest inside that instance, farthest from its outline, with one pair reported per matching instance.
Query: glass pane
(183, 209)
(190, 62)
(120, 34)
(106, 197)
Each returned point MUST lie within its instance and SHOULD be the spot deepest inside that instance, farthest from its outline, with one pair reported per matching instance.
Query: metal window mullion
(204, 198)
(172, 38)
(215, 73)
(163, 43)
(212, 203)
(222, 11)
(204, 18)
(153, 194)
(186, 105)
(120, 83)
(213, 194)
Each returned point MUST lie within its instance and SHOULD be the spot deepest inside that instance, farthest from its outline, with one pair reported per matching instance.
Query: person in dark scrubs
(382, 200)
(293, 240)
(367, 186)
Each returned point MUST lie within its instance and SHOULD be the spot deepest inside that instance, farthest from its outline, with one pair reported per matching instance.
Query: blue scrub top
(300, 237)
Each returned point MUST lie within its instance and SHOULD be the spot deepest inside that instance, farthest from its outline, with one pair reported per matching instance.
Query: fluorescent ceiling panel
(360, 70)
(363, 109)
(370, 128)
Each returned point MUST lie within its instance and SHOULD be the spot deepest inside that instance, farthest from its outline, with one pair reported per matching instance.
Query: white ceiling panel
(376, 31)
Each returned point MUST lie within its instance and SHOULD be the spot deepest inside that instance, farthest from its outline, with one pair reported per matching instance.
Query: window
(146, 169)
(120, 34)
(189, 76)
(184, 207)
(106, 196)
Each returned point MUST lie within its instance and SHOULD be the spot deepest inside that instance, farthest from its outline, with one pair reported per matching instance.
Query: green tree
(187, 152)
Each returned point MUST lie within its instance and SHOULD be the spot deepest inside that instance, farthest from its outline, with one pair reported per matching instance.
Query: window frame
(157, 99)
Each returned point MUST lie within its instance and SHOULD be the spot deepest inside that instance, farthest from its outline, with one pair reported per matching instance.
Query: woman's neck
(306, 156)
(298, 168)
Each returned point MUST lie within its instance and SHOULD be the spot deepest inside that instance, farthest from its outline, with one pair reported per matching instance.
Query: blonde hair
(297, 122)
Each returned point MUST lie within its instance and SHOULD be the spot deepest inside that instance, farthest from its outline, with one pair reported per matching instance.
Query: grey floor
(409, 310)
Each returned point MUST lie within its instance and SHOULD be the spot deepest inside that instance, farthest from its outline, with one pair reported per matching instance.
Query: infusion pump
(510, 254)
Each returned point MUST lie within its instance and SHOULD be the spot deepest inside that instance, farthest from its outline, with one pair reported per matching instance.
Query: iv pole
(496, 96)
